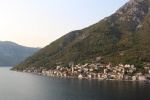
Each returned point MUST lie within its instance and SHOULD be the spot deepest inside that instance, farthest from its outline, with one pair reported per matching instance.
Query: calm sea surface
(23, 86)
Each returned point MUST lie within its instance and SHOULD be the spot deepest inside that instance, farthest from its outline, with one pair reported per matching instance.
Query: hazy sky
(36, 23)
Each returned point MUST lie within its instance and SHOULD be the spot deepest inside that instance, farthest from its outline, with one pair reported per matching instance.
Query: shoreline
(84, 78)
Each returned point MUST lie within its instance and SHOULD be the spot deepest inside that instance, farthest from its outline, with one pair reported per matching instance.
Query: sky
(36, 23)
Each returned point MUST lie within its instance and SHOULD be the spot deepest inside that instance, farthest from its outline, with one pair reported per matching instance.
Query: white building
(99, 76)
(127, 66)
(58, 67)
(120, 65)
(142, 78)
(80, 76)
(105, 71)
(132, 66)
(90, 76)
(72, 69)
(91, 69)
(133, 78)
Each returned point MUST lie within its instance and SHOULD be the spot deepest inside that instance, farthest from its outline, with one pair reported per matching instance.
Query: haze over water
(24, 86)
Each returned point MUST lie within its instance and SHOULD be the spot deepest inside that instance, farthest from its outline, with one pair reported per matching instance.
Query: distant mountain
(11, 53)
(123, 37)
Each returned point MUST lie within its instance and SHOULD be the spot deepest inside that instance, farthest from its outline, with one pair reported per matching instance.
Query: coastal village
(95, 71)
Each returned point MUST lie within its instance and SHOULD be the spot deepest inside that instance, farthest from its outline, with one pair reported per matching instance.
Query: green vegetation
(120, 38)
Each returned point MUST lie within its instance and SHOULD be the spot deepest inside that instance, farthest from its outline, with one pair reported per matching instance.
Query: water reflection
(22, 86)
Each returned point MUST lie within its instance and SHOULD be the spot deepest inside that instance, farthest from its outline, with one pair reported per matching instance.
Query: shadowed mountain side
(12, 53)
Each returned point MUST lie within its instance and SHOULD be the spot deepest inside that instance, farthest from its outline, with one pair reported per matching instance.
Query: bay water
(27, 86)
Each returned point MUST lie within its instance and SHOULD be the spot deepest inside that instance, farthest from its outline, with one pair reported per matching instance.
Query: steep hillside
(12, 53)
(123, 37)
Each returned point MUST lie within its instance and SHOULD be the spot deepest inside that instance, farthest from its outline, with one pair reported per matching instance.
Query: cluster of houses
(95, 71)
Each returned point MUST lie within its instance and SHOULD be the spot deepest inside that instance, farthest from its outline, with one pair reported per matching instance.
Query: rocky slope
(12, 53)
(123, 37)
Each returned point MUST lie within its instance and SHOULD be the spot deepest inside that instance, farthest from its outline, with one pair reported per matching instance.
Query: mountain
(11, 53)
(123, 37)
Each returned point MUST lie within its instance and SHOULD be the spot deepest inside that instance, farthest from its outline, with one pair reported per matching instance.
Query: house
(148, 77)
(85, 69)
(58, 74)
(79, 67)
(95, 76)
(80, 76)
(64, 74)
(29, 71)
(24, 70)
(127, 66)
(119, 69)
(133, 78)
(79, 70)
(139, 74)
(105, 71)
(90, 76)
(100, 65)
(142, 78)
(99, 76)
(35, 71)
(86, 65)
(132, 66)
(113, 75)
(58, 67)
(147, 68)
(130, 70)
(120, 76)
(91, 69)
(121, 65)
(43, 71)
(104, 76)
(75, 72)
(47, 72)
(126, 77)
(114, 71)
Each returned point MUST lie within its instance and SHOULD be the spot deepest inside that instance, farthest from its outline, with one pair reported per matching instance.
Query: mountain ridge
(11, 53)
(122, 37)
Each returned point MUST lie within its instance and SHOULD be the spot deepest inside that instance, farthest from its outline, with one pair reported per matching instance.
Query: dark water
(23, 86)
